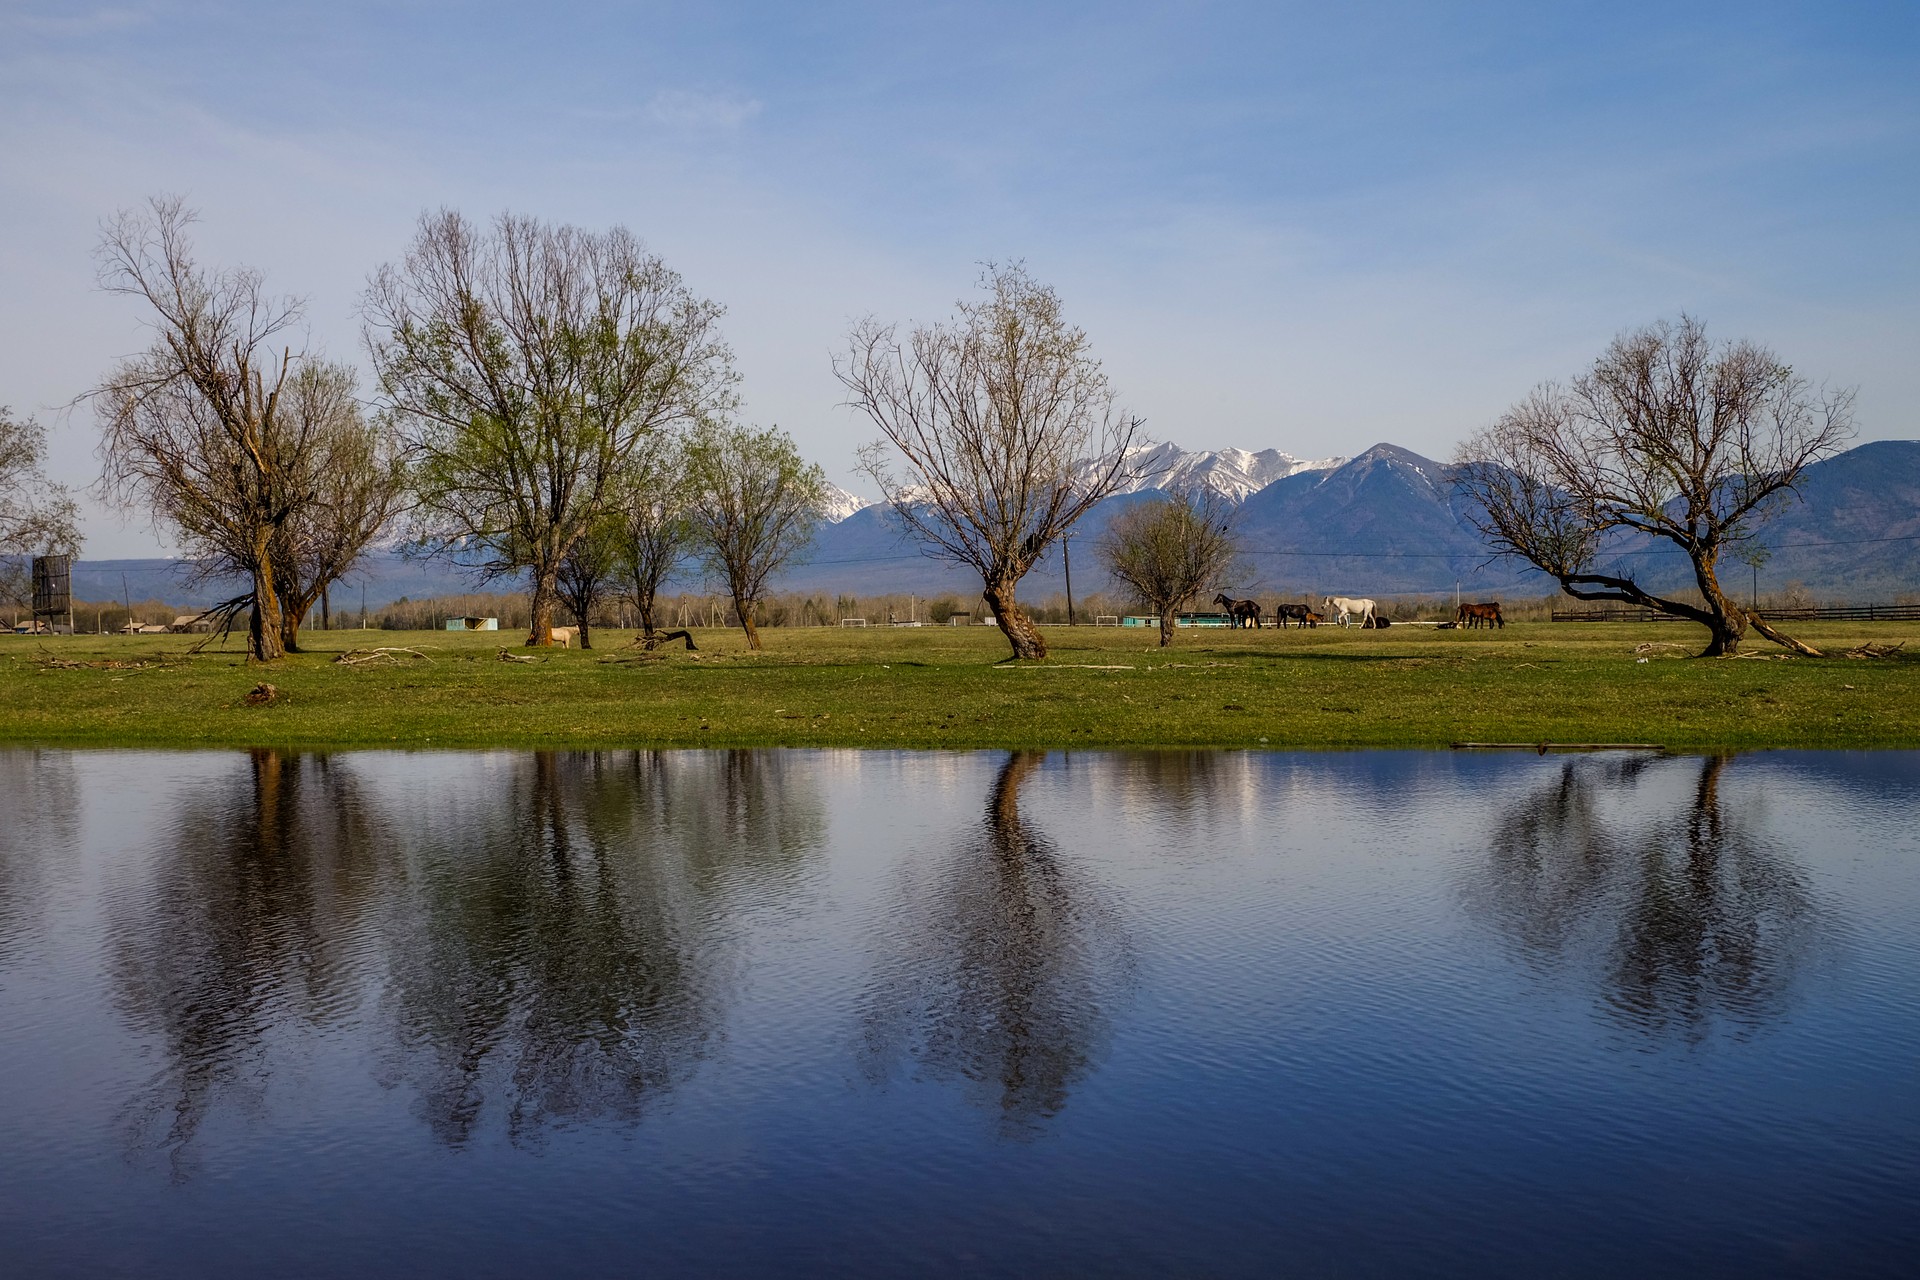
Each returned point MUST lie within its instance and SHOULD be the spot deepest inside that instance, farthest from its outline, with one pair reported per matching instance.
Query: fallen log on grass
(369, 657)
(658, 638)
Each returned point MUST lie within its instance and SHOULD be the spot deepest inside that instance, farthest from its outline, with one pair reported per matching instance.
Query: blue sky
(1303, 226)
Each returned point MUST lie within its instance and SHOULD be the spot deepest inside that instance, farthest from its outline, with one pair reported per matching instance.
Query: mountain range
(1388, 521)
(1384, 522)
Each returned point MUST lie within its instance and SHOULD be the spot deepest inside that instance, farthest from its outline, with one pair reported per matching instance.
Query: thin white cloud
(690, 109)
(90, 23)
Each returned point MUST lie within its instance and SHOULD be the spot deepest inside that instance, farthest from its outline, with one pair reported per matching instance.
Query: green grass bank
(946, 687)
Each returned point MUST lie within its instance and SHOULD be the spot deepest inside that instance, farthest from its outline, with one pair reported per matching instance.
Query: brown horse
(1243, 612)
(1484, 614)
(1298, 612)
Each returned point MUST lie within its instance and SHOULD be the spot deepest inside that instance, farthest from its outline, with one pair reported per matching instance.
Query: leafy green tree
(525, 364)
(1168, 550)
(755, 504)
(355, 485)
(587, 571)
(652, 529)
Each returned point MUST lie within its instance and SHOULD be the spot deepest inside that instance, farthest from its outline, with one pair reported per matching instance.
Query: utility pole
(1066, 562)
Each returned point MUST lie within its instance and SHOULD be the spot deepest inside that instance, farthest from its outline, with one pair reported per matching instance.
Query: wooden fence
(1838, 613)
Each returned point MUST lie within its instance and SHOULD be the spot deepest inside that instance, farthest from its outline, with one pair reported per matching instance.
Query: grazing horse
(1345, 607)
(1298, 612)
(1484, 614)
(1311, 619)
(1242, 612)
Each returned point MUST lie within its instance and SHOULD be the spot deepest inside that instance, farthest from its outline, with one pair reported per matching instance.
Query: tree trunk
(294, 607)
(1013, 620)
(1728, 625)
(645, 604)
(326, 613)
(586, 633)
(545, 595)
(264, 642)
(1166, 627)
(745, 609)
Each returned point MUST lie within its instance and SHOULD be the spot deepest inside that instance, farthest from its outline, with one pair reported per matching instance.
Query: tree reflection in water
(1689, 921)
(539, 949)
(43, 804)
(253, 917)
(1002, 974)
(560, 963)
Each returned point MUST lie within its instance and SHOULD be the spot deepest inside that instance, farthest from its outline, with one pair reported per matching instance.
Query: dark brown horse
(1484, 614)
(1298, 612)
(1243, 612)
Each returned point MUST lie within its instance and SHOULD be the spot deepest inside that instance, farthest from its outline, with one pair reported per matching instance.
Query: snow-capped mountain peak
(840, 504)
(1234, 474)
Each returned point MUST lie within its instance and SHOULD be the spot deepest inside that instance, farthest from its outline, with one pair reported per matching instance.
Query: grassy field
(947, 687)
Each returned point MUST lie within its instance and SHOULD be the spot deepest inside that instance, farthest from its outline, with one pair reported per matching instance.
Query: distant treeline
(795, 609)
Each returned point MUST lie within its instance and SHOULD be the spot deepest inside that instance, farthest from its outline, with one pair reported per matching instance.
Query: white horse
(1347, 607)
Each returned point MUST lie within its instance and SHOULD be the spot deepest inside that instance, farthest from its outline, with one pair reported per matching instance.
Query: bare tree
(1168, 550)
(37, 516)
(197, 427)
(1668, 436)
(357, 484)
(1008, 427)
(755, 504)
(525, 365)
(654, 531)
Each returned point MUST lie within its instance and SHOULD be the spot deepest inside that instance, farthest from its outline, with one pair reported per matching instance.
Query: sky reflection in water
(1386, 1012)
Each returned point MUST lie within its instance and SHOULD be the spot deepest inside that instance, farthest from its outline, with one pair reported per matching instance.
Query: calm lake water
(793, 1012)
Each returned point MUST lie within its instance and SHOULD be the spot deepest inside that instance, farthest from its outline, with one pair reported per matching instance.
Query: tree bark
(1014, 622)
(265, 643)
(1166, 627)
(1728, 624)
(745, 609)
(546, 594)
(644, 602)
